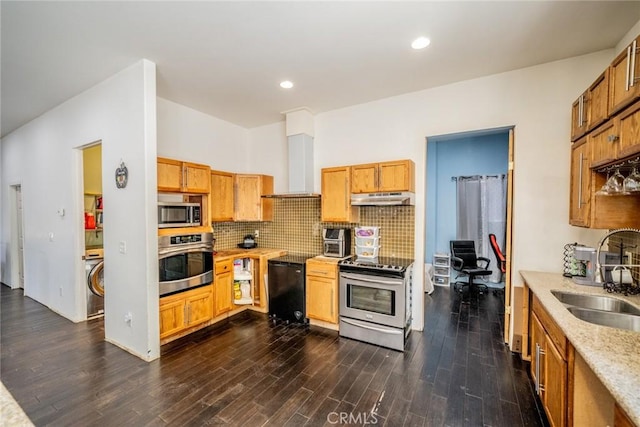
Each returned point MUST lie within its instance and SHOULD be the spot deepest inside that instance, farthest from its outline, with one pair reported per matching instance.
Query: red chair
(502, 261)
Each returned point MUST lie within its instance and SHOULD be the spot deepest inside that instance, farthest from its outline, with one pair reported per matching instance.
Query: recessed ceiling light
(286, 84)
(420, 43)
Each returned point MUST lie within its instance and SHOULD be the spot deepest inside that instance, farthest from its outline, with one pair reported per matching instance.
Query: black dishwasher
(286, 284)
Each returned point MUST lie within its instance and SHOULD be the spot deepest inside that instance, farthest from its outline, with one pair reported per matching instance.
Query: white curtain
(482, 210)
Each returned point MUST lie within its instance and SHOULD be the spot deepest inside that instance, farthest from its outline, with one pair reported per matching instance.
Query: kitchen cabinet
(336, 196)
(222, 196)
(183, 177)
(580, 197)
(624, 85)
(223, 285)
(185, 310)
(579, 117)
(604, 144)
(549, 367)
(620, 418)
(249, 204)
(322, 290)
(591, 108)
(628, 122)
(383, 177)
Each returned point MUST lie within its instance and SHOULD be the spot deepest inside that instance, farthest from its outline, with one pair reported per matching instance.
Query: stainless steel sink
(607, 318)
(596, 302)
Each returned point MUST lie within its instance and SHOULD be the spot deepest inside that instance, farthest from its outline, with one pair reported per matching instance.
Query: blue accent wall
(487, 154)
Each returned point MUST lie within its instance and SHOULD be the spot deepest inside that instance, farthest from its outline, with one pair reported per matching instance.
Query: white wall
(190, 135)
(269, 154)
(43, 156)
(535, 100)
(628, 38)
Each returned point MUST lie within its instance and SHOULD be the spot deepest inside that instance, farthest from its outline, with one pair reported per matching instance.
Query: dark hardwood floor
(250, 372)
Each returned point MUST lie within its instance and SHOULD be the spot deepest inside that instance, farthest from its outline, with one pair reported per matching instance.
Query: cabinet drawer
(224, 266)
(554, 332)
(322, 269)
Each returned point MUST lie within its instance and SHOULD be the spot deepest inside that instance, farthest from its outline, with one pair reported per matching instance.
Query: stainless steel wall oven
(375, 301)
(185, 261)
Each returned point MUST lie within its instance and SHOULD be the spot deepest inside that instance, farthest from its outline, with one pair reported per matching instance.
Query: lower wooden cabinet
(184, 310)
(322, 290)
(223, 284)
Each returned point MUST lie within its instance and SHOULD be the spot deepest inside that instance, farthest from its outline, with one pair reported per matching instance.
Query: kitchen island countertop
(613, 354)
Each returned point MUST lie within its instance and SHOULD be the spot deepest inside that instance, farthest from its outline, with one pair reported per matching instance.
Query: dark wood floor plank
(249, 371)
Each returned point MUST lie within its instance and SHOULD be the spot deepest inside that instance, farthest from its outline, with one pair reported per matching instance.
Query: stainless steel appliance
(286, 284)
(592, 276)
(178, 214)
(375, 301)
(185, 261)
(336, 242)
(94, 267)
(383, 199)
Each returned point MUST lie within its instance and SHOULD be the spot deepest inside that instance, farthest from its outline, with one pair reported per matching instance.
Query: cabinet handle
(633, 64)
(539, 352)
(580, 182)
(613, 138)
(626, 83)
(318, 272)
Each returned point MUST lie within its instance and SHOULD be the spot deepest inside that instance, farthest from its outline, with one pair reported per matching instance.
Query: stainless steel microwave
(178, 214)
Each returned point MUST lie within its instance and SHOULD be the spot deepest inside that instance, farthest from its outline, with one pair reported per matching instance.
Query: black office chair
(465, 260)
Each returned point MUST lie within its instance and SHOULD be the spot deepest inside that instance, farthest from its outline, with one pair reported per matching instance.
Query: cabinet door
(629, 129)
(223, 298)
(555, 385)
(336, 195)
(396, 176)
(221, 196)
(364, 178)
(247, 198)
(321, 299)
(580, 197)
(578, 117)
(171, 316)
(598, 100)
(604, 144)
(199, 306)
(197, 178)
(624, 84)
(169, 175)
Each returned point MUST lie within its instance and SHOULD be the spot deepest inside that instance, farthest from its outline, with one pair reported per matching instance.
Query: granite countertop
(255, 252)
(613, 354)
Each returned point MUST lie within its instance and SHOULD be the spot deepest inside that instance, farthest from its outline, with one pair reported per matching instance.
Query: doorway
(17, 230)
(484, 153)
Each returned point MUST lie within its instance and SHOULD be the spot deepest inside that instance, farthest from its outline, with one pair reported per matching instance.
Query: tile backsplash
(297, 228)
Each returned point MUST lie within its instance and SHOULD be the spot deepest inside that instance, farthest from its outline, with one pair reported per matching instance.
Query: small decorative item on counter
(367, 231)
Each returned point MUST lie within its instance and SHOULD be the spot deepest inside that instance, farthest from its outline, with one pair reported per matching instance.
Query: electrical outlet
(629, 258)
(517, 344)
(256, 233)
(128, 317)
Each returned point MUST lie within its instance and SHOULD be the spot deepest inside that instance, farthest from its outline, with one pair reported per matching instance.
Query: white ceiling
(227, 58)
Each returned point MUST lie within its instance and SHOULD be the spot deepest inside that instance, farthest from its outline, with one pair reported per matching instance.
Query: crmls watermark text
(351, 418)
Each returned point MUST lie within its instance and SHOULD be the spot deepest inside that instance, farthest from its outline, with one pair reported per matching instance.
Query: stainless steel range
(375, 300)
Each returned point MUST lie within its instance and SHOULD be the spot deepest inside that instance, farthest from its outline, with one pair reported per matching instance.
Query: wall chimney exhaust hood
(300, 131)
(399, 198)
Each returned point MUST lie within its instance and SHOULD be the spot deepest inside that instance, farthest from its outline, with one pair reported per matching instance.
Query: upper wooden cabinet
(618, 138)
(629, 130)
(591, 108)
(222, 196)
(624, 85)
(336, 195)
(183, 177)
(383, 177)
(580, 184)
(249, 204)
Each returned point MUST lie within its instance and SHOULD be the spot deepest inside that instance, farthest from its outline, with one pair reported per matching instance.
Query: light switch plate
(122, 247)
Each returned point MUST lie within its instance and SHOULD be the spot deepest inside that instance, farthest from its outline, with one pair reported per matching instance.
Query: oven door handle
(366, 279)
(170, 252)
(373, 328)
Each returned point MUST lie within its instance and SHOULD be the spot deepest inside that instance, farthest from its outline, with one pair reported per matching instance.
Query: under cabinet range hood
(300, 169)
(383, 199)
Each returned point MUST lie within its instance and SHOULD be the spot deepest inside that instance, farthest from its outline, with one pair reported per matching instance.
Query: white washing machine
(95, 287)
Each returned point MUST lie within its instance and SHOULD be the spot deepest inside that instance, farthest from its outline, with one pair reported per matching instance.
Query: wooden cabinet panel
(249, 204)
(321, 299)
(579, 199)
(383, 177)
(604, 144)
(598, 101)
(336, 195)
(169, 175)
(320, 268)
(223, 284)
(620, 418)
(537, 343)
(199, 307)
(222, 196)
(171, 317)
(624, 84)
(555, 385)
(364, 178)
(629, 129)
(197, 178)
